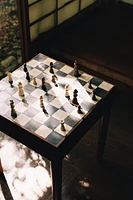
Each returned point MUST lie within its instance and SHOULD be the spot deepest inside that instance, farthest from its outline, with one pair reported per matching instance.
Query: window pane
(40, 9)
(68, 11)
(42, 26)
(85, 3)
(63, 2)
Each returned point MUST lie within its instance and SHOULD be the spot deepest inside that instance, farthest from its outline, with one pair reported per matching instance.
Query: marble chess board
(29, 113)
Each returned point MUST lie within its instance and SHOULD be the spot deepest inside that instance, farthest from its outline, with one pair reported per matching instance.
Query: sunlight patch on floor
(24, 170)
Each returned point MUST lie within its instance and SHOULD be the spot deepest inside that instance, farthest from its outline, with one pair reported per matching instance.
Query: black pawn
(94, 96)
(90, 85)
(25, 67)
(27, 76)
(79, 109)
(44, 85)
(51, 68)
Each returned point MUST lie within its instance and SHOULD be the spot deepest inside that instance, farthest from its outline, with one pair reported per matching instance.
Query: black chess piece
(79, 110)
(25, 67)
(75, 94)
(76, 72)
(94, 96)
(44, 85)
(90, 85)
(27, 76)
(13, 111)
(51, 68)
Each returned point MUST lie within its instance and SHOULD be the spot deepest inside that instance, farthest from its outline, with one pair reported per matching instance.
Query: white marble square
(22, 119)
(3, 85)
(69, 79)
(3, 108)
(57, 102)
(21, 107)
(4, 96)
(67, 69)
(18, 73)
(48, 60)
(37, 93)
(60, 115)
(41, 117)
(35, 72)
(16, 95)
(106, 86)
(33, 63)
(85, 77)
(55, 91)
(43, 131)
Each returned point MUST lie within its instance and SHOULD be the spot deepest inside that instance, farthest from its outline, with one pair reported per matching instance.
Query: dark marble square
(31, 112)
(67, 107)
(51, 109)
(54, 138)
(29, 88)
(82, 82)
(40, 57)
(85, 105)
(52, 123)
(71, 120)
(48, 98)
(30, 99)
(32, 125)
(58, 65)
(61, 74)
(96, 81)
(100, 92)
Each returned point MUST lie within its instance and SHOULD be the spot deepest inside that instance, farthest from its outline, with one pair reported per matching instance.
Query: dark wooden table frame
(101, 111)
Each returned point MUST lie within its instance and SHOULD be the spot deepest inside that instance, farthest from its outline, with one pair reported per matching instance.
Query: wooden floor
(27, 176)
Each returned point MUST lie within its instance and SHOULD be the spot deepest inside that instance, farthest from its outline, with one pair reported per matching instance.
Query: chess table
(41, 130)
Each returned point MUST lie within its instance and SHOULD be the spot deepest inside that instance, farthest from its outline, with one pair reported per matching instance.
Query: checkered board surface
(58, 107)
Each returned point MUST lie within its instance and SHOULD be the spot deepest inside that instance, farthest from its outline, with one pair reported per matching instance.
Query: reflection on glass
(10, 48)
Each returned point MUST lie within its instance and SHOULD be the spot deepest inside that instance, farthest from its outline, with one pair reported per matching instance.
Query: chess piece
(25, 68)
(75, 94)
(20, 90)
(90, 85)
(94, 96)
(13, 112)
(42, 105)
(62, 126)
(66, 92)
(76, 72)
(79, 110)
(27, 76)
(10, 80)
(44, 85)
(51, 68)
(41, 102)
(54, 81)
(34, 81)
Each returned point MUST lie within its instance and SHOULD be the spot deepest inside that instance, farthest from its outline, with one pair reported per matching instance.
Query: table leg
(1, 169)
(56, 175)
(103, 129)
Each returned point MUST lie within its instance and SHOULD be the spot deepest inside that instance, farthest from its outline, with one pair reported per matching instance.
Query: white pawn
(41, 102)
(66, 92)
(62, 126)
(34, 81)
(20, 90)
